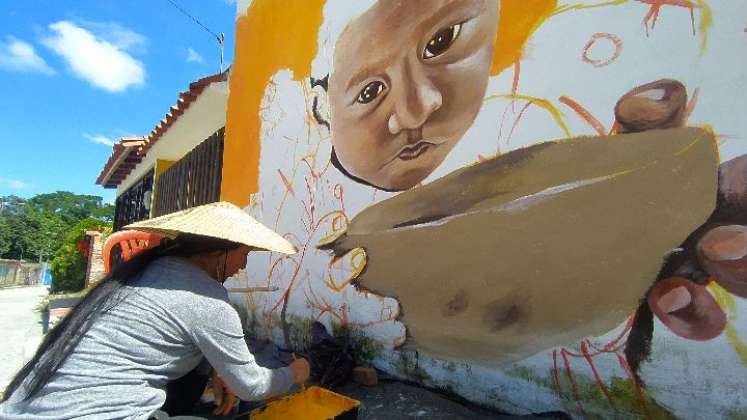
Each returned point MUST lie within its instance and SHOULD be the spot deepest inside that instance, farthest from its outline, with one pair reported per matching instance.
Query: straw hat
(219, 220)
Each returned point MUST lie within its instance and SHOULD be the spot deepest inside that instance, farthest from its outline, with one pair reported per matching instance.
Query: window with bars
(134, 204)
(193, 180)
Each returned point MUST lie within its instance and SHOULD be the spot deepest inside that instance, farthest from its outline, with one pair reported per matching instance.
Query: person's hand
(225, 399)
(301, 370)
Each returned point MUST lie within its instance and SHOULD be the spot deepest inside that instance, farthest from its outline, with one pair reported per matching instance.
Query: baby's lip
(414, 151)
(406, 151)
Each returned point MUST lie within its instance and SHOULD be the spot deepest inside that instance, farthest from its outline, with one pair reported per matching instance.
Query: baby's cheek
(463, 91)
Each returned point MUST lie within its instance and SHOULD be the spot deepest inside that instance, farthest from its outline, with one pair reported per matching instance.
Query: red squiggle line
(597, 378)
(656, 5)
(516, 121)
(569, 373)
(629, 371)
(584, 114)
(555, 375)
(617, 42)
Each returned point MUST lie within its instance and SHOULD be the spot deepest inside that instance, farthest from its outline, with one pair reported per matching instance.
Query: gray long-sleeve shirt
(169, 317)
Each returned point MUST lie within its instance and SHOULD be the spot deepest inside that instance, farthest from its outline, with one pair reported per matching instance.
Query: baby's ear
(320, 100)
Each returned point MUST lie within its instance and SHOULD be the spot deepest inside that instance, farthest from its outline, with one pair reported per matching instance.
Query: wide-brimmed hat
(221, 220)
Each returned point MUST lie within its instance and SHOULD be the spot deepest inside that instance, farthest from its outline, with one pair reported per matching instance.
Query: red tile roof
(123, 159)
(117, 168)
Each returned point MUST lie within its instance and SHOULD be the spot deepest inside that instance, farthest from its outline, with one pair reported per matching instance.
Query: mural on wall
(451, 199)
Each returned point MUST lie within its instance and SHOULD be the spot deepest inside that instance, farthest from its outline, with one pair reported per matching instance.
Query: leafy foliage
(69, 264)
(34, 229)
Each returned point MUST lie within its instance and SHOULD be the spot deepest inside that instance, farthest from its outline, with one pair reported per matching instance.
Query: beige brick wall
(95, 268)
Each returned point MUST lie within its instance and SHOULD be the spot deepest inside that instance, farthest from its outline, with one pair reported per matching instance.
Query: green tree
(69, 265)
(46, 236)
(18, 229)
(69, 206)
(35, 228)
(5, 239)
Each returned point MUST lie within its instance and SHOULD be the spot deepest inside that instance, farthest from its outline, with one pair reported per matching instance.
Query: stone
(365, 376)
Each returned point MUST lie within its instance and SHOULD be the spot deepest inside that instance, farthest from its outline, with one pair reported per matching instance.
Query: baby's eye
(441, 41)
(370, 92)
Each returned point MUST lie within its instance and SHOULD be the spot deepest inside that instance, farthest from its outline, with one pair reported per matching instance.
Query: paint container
(313, 403)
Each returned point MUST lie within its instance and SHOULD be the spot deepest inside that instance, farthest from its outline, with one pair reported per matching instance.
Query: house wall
(205, 116)
(480, 195)
(18, 273)
(95, 266)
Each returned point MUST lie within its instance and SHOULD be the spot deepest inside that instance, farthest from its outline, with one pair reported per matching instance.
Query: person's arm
(217, 332)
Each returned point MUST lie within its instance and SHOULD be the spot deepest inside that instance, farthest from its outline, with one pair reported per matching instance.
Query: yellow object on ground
(312, 404)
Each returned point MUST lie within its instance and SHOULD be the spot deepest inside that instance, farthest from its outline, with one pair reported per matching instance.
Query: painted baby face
(409, 79)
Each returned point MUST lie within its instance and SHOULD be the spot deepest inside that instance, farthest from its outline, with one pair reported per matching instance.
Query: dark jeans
(183, 394)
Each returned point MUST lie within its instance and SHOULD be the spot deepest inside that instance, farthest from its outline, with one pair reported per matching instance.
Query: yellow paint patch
(162, 165)
(542, 103)
(726, 302)
(273, 35)
(313, 403)
(705, 24)
(517, 21)
(581, 6)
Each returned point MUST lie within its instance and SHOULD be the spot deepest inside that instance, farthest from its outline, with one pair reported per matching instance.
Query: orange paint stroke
(581, 6)
(656, 5)
(272, 36)
(691, 104)
(584, 114)
(515, 83)
(287, 183)
(518, 20)
(602, 62)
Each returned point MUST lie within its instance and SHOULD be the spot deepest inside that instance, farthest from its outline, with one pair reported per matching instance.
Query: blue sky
(77, 75)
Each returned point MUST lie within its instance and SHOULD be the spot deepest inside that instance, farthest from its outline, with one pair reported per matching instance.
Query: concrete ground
(21, 328)
(393, 400)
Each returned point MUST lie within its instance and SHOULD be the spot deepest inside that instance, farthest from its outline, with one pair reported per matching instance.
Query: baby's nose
(417, 99)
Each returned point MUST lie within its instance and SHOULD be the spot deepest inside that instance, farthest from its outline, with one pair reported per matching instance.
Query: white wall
(205, 116)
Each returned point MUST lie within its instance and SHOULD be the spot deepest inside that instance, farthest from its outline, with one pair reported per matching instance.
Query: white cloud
(98, 138)
(16, 55)
(193, 56)
(116, 34)
(94, 59)
(14, 184)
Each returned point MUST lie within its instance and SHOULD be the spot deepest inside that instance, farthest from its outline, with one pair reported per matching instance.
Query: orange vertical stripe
(518, 20)
(273, 35)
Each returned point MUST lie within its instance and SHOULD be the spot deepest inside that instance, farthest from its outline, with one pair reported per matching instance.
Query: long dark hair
(60, 342)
